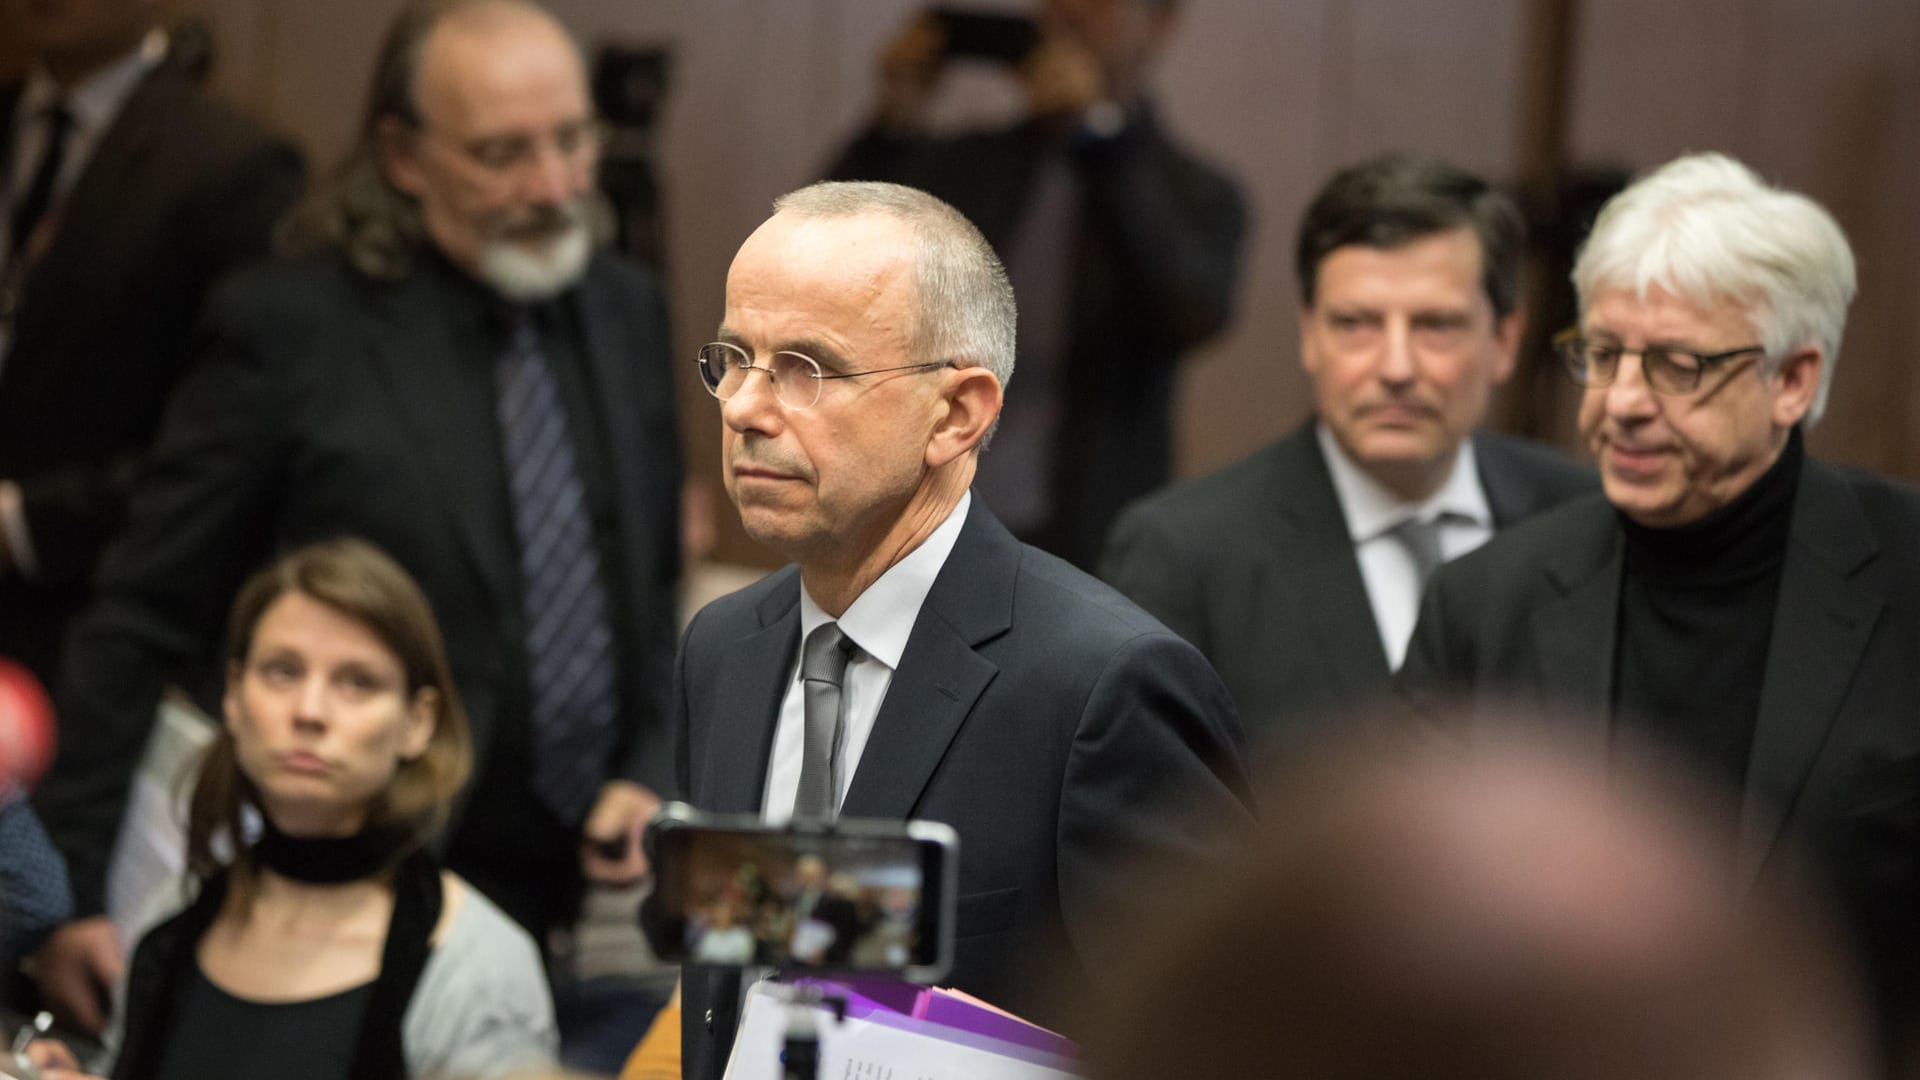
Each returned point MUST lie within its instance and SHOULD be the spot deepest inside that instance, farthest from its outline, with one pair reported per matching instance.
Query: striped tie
(564, 603)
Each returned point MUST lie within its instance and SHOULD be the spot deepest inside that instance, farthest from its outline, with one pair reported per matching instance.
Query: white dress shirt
(878, 624)
(1387, 567)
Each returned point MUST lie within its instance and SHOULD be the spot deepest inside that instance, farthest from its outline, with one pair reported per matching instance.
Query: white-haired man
(918, 661)
(1730, 595)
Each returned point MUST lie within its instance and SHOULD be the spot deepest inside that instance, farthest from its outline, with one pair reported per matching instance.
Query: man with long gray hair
(1731, 596)
(455, 374)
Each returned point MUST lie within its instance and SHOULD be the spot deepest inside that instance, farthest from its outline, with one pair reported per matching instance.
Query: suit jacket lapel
(1318, 551)
(1821, 626)
(92, 204)
(1575, 634)
(940, 675)
(1509, 497)
(746, 706)
(610, 360)
(417, 352)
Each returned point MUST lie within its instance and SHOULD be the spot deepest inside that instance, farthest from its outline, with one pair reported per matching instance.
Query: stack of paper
(895, 1031)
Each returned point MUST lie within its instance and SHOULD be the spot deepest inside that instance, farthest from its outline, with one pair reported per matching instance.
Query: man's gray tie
(570, 668)
(823, 667)
(1421, 538)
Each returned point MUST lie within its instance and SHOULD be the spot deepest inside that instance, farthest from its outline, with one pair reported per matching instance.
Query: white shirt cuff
(13, 530)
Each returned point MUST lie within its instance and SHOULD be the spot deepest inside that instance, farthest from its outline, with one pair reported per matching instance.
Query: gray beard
(528, 275)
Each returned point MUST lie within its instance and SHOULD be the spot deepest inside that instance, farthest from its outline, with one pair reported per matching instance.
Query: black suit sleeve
(1174, 228)
(1153, 782)
(647, 753)
(225, 220)
(1145, 560)
(196, 525)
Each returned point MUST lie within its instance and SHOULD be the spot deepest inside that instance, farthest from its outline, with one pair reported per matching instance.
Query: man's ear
(1798, 379)
(1508, 331)
(399, 155)
(1309, 356)
(970, 402)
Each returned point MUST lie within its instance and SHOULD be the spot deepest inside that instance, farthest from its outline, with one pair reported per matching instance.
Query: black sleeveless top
(216, 1035)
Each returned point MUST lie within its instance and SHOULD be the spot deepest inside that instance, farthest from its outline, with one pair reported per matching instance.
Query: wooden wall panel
(1819, 95)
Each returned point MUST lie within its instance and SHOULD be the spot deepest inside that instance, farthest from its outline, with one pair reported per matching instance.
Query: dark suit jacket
(321, 404)
(1254, 565)
(1835, 763)
(177, 192)
(1157, 261)
(1051, 722)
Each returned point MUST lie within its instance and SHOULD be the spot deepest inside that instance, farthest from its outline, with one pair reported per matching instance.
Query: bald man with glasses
(916, 661)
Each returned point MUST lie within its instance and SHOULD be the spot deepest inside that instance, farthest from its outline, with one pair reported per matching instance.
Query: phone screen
(859, 898)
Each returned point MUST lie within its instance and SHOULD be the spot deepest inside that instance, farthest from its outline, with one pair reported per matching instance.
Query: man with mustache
(917, 661)
(1756, 610)
(453, 372)
(1298, 570)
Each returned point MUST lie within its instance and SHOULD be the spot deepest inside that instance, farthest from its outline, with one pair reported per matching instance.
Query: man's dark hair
(1398, 198)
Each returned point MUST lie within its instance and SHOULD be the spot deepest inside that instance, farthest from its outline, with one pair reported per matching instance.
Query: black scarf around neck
(160, 965)
(330, 860)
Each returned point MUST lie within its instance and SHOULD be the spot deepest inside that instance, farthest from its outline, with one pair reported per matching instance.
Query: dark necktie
(569, 643)
(823, 667)
(28, 212)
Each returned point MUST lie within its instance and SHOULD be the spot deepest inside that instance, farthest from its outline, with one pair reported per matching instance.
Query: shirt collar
(880, 620)
(1371, 509)
(95, 100)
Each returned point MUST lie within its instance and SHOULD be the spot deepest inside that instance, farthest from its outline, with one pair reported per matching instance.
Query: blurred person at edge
(333, 945)
(125, 193)
(1752, 607)
(1494, 910)
(1123, 248)
(34, 895)
(449, 368)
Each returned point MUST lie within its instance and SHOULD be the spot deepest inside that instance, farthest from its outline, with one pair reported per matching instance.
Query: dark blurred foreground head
(1506, 910)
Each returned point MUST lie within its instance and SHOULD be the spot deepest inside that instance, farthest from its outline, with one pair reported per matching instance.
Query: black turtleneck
(1696, 613)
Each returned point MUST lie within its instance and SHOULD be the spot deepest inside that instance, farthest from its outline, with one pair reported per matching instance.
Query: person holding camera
(1123, 248)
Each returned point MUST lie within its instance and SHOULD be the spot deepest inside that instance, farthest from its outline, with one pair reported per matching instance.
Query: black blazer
(1254, 565)
(177, 192)
(322, 403)
(1051, 722)
(1835, 763)
(1157, 260)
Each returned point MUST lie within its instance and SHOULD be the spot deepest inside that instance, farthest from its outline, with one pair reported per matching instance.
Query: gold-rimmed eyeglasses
(1668, 370)
(796, 377)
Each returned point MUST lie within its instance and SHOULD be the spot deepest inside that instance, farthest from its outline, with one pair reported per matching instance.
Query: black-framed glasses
(796, 377)
(1667, 370)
